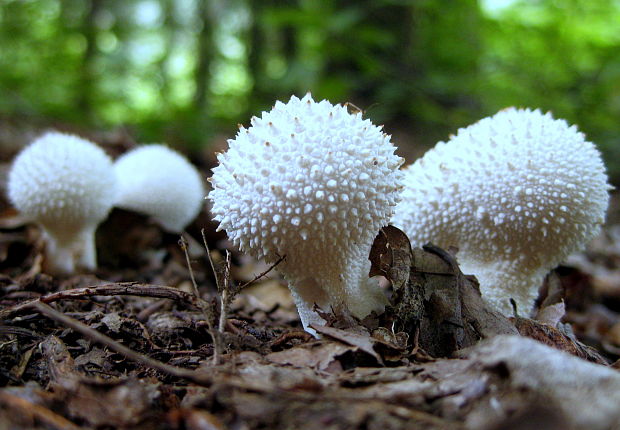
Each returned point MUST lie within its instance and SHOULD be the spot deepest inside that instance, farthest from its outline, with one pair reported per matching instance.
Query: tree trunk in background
(453, 100)
(377, 68)
(87, 77)
(256, 54)
(265, 42)
(205, 51)
(169, 27)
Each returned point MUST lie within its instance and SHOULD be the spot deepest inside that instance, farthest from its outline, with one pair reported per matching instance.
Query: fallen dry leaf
(321, 356)
(359, 339)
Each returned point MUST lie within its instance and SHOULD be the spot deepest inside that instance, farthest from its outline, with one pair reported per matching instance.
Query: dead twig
(145, 313)
(226, 295)
(178, 372)
(216, 271)
(22, 408)
(301, 335)
(226, 288)
(230, 290)
(262, 274)
(206, 308)
(216, 335)
(117, 289)
(184, 246)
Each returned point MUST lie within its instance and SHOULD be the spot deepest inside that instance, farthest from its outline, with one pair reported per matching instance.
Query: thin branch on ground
(116, 289)
(302, 335)
(220, 282)
(27, 410)
(230, 290)
(261, 275)
(227, 294)
(216, 272)
(184, 246)
(226, 288)
(208, 309)
(197, 377)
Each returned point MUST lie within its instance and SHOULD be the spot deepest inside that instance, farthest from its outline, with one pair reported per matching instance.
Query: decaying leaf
(357, 338)
(586, 394)
(321, 356)
(390, 256)
(552, 314)
(113, 321)
(554, 337)
(433, 301)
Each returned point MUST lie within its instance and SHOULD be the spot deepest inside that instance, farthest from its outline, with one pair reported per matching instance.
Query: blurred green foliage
(184, 71)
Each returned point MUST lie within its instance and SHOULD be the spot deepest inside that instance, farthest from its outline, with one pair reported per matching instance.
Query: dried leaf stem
(115, 289)
(194, 376)
(226, 288)
(24, 408)
(207, 309)
(226, 295)
(262, 274)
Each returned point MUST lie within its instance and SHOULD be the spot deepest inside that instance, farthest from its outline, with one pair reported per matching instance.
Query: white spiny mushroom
(67, 185)
(159, 182)
(312, 182)
(516, 193)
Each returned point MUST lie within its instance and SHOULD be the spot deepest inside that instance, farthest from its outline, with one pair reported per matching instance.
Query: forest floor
(143, 343)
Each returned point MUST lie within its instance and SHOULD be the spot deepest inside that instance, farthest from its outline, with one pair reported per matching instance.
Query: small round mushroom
(314, 183)
(67, 185)
(159, 182)
(516, 193)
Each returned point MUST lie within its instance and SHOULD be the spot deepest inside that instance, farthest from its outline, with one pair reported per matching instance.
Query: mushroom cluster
(516, 193)
(68, 185)
(314, 183)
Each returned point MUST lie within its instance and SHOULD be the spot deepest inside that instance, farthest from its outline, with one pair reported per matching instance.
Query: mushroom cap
(160, 182)
(313, 182)
(64, 182)
(516, 193)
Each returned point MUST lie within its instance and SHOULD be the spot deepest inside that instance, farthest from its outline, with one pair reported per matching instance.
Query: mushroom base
(500, 282)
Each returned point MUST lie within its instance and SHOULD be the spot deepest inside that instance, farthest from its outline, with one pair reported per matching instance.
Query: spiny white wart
(312, 182)
(158, 181)
(516, 193)
(67, 185)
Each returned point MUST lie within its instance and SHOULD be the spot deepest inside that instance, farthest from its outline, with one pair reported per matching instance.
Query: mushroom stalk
(59, 257)
(67, 185)
(88, 250)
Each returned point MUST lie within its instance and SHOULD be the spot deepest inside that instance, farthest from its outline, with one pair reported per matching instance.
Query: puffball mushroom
(159, 182)
(67, 185)
(314, 183)
(516, 193)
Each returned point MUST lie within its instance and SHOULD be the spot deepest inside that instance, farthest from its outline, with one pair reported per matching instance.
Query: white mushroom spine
(67, 185)
(516, 193)
(315, 183)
